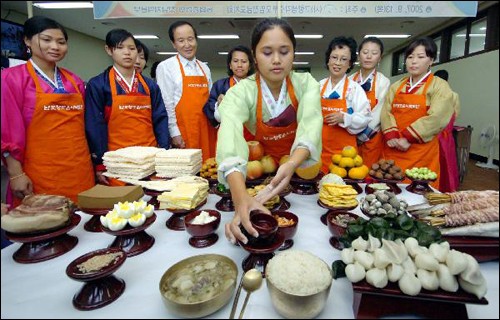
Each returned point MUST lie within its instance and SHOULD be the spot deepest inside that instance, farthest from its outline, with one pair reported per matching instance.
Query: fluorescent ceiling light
(300, 62)
(219, 36)
(223, 53)
(63, 5)
(304, 53)
(166, 53)
(389, 36)
(145, 36)
(461, 35)
(308, 36)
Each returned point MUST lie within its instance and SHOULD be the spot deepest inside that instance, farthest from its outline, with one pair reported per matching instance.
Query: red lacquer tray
(481, 248)
(371, 302)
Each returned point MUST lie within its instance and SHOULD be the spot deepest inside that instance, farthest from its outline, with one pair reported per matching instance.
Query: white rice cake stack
(130, 162)
(174, 163)
(168, 185)
(184, 196)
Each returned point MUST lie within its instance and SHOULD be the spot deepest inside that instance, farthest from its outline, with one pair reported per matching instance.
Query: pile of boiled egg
(135, 214)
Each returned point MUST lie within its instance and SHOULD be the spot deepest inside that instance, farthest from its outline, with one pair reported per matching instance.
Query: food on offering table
(269, 203)
(337, 195)
(174, 163)
(422, 173)
(38, 212)
(309, 172)
(412, 266)
(99, 262)
(349, 164)
(209, 169)
(383, 202)
(255, 170)
(379, 186)
(332, 179)
(105, 197)
(130, 162)
(386, 169)
(185, 195)
(203, 218)
(123, 213)
(255, 150)
(461, 209)
(269, 165)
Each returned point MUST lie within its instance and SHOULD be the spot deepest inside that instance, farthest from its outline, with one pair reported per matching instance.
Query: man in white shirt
(185, 84)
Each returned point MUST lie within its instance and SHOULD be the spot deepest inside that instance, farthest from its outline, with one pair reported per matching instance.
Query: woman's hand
(403, 144)
(393, 143)
(241, 216)
(21, 187)
(5, 208)
(278, 183)
(219, 99)
(334, 118)
(100, 178)
(178, 142)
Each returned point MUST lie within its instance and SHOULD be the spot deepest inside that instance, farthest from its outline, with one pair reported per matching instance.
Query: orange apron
(411, 107)
(247, 134)
(334, 138)
(130, 122)
(57, 157)
(194, 126)
(277, 141)
(371, 150)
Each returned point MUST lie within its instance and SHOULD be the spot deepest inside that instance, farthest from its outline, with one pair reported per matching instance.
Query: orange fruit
(358, 161)
(349, 151)
(346, 162)
(310, 172)
(336, 158)
(341, 172)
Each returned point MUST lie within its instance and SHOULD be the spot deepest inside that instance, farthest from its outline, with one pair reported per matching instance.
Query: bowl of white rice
(299, 283)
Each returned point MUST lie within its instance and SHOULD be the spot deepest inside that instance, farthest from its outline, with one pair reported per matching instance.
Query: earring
(28, 50)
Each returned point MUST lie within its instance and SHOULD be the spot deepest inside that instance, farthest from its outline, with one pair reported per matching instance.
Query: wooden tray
(371, 302)
(481, 248)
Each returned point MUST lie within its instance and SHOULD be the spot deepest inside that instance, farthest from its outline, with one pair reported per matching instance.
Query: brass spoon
(252, 280)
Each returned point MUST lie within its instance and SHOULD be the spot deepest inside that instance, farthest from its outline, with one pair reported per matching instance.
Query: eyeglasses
(340, 60)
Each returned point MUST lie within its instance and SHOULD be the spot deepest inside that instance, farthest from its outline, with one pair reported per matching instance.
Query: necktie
(367, 85)
(334, 95)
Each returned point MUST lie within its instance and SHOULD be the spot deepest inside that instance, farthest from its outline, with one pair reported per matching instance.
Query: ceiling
(82, 20)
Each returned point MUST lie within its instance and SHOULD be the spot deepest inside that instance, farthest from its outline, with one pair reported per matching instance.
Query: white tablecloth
(43, 290)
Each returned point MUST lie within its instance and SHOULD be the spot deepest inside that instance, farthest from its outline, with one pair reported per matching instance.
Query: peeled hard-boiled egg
(137, 220)
(148, 210)
(139, 206)
(125, 209)
(116, 223)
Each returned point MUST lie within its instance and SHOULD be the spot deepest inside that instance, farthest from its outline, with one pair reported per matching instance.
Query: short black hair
(245, 50)
(429, 45)
(374, 40)
(153, 69)
(443, 74)
(177, 24)
(116, 36)
(141, 47)
(341, 42)
(37, 24)
(268, 24)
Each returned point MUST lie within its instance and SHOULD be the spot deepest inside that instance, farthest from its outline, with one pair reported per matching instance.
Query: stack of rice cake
(174, 163)
(185, 194)
(130, 162)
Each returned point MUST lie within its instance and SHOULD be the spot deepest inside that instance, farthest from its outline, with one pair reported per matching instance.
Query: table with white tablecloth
(43, 290)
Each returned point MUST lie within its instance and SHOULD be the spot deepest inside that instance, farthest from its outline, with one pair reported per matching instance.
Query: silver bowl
(201, 308)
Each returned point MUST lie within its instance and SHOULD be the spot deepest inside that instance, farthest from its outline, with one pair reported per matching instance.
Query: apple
(269, 164)
(254, 169)
(255, 150)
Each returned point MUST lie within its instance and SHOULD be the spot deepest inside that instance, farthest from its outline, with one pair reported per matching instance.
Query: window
(467, 37)
(477, 36)
(438, 54)
(458, 39)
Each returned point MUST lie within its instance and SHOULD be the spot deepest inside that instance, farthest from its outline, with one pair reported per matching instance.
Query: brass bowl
(202, 308)
(298, 306)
